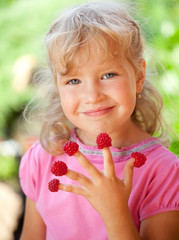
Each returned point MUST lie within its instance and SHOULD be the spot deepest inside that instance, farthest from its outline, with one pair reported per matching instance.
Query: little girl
(98, 85)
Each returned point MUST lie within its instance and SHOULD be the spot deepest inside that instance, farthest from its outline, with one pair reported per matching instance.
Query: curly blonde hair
(73, 30)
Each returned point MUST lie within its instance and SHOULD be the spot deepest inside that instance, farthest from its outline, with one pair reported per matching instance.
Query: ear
(141, 76)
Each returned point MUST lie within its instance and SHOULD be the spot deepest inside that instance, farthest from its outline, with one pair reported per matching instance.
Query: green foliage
(8, 167)
(5, 3)
(175, 147)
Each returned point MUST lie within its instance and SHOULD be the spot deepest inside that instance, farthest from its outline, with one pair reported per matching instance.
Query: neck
(126, 136)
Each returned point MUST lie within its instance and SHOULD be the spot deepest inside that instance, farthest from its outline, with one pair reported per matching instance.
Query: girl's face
(99, 96)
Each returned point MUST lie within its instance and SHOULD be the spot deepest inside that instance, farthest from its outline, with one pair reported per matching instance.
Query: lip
(98, 111)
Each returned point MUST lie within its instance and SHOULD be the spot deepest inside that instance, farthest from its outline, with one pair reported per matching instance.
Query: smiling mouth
(98, 112)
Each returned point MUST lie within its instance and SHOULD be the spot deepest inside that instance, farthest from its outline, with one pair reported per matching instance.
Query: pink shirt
(68, 216)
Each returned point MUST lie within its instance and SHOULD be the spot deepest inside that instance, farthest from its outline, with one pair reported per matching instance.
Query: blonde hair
(72, 30)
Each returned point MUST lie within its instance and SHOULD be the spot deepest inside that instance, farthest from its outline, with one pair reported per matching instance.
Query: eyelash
(77, 81)
(114, 74)
(71, 82)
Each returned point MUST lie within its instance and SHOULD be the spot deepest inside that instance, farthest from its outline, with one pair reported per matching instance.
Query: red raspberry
(140, 159)
(103, 140)
(71, 148)
(53, 185)
(59, 168)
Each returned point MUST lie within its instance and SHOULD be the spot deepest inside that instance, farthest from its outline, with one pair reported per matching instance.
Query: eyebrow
(68, 76)
(74, 73)
(68, 73)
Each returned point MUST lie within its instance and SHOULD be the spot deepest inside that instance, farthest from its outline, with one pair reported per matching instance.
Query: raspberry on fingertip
(71, 148)
(59, 168)
(53, 185)
(103, 140)
(140, 159)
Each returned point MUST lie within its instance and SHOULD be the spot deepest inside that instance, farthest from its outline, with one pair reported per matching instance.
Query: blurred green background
(23, 25)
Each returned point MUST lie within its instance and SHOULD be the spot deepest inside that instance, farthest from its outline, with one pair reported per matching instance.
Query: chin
(100, 129)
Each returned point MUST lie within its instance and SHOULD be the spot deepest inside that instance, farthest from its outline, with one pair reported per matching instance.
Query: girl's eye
(73, 81)
(109, 75)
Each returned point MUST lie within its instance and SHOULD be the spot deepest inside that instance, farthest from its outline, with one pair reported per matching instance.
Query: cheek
(64, 101)
(124, 91)
(68, 102)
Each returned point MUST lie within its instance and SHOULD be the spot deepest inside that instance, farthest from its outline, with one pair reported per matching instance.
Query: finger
(73, 189)
(109, 169)
(78, 177)
(128, 173)
(88, 166)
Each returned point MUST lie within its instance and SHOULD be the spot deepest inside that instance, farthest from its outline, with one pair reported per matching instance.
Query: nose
(93, 93)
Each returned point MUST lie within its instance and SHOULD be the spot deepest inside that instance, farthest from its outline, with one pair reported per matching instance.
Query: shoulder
(160, 162)
(37, 149)
(34, 171)
(34, 162)
(156, 183)
(37, 153)
(161, 171)
(160, 157)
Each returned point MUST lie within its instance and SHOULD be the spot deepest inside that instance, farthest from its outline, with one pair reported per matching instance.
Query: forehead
(100, 51)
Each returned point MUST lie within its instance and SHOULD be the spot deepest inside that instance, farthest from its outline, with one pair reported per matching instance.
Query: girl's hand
(105, 192)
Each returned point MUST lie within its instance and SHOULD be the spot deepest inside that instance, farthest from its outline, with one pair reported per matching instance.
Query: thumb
(128, 173)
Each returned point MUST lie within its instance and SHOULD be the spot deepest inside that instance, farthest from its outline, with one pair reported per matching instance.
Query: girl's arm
(163, 226)
(34, 227)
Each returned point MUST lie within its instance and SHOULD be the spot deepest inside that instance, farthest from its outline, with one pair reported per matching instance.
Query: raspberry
(103, 140)
(71, 148)
(59, 168)
(140, 159)
(53, 185)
